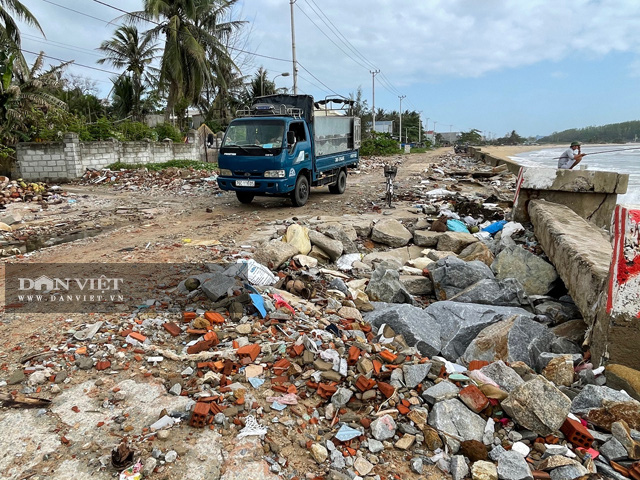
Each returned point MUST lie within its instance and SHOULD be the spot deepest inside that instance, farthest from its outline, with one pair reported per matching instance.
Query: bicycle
(390, 174)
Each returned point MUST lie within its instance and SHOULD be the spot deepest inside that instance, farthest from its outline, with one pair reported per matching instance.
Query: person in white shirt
(571, 156)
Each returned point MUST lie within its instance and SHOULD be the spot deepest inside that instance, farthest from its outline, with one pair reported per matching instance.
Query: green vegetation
(611, 133)
(156, 167)
(379, 144)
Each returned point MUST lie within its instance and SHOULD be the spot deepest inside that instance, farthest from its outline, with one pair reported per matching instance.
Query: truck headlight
(274, 174)
(225, 173)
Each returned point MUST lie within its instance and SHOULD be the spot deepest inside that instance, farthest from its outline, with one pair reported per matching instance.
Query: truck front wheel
(341, 183)
(245, 197)
(300, 193)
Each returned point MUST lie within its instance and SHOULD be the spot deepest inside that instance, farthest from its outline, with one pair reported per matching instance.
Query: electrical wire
(71, 61)
(76, 11)
(66, 46)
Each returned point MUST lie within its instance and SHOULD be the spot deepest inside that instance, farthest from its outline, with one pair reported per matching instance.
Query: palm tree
(194, 33)
(128, 50)
(9, 32)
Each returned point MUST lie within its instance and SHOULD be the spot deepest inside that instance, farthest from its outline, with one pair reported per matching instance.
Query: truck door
(300, 154)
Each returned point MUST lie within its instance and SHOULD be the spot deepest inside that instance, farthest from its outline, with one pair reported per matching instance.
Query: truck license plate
(245, 183)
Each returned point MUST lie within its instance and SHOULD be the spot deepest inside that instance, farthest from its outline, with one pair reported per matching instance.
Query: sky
(533, 66)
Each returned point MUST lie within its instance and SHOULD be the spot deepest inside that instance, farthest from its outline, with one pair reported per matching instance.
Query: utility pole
(293, 51)
(419, 126)
(373, 97)
(450, 135)
(434, 132)
(400, 128)
(427, 126)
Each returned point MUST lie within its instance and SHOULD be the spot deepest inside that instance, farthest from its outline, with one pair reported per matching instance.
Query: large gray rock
(347, 238)
(506, 377)
(440, 391)
(454, 418)
(538, 406)
(569, 472)
(383, 428)
(459, 468)
(460, 323)
(217, 285)
(391, 232)
(613, 450)
(415, 374)
(455, 241)
(385, 286)
(418, 328)
(535, 274)
(417, 285)
(401, 255)
(477, 251)
(592, 397)
(513, 466)
(274, 253)
(508, 292)
(426, 238)
(331, 247)
(518, 338)
(451, 275)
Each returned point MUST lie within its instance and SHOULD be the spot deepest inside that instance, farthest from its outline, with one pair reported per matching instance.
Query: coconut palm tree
(9, 32)
(128, 49)
(194, 33)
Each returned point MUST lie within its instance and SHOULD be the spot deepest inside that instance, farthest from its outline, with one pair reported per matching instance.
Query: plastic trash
(345, 262)
(510, 228)
(252, 428)
(258, 302)
(495, 227)
(256, 382)
(280, 302)
(258, 274)
(298, 236)
(456, 226)
(347, 433)
(134, 472)
(164, 422)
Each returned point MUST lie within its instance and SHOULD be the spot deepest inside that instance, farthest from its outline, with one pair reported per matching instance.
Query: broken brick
(477, 364)
(474, 398)
(326, 390)
(297, 350)
(201, 346)
(576, 433)
(103, 365)
(281, 366)
(249, 351)
(173, 329)
(363, 383)
(188, 316)
(211, 337)
(138, 336)
(388, 356)
(354, 355)
(214, 317)
(386, 389)
(199, 415)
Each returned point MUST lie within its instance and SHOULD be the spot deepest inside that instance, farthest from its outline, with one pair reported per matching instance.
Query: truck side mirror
(291, 138)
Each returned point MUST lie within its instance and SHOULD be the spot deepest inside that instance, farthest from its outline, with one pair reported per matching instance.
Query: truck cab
(273, 149)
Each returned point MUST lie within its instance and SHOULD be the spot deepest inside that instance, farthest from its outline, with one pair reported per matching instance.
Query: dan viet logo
(70, 289)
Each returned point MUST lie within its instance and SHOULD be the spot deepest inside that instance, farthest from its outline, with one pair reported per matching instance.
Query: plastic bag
(258, 274)
(457, 226)
(298, 236)
(495, 227)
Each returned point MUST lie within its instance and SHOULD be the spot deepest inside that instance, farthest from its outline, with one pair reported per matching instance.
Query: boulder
(559, 370)
(451, 275)
(524, 405)
(331, 247)
(535, 274)
(624, 378)
(390, 232)
(513, 466)
(454, 418)
(477, 251)
(415, 374)
(274, 253)
(362, 226)
(418, 328)
(347, 238)
(506, 377)
(455, 241)
(594, 396)
(401, 255)
(383, 428)
(460, 323)
(440, 391)
(417, 285)
(217, 286)
(385, 286)
(484, 470)
(569, 472)
(508, 292)
(426, 238)
(320, 255)
(517, 338)
(612, 412)
(347, 229)
(459, 468)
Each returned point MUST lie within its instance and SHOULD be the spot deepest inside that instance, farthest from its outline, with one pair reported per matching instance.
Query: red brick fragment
(576, 433)
(326, 390)
(214, 317)
(281, 366)
(354, 355)
(474, 398)
(138, 336)
(363, 383)
(388, 356)
(173, 329)
(386, 389)
(199, 415)
(188, 316)
(103, 365)
(477, 364)
(201, 346)
(402, 409)
(297, 350)
(249, 351)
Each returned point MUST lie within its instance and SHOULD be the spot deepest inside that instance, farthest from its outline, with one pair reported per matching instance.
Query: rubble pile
(353, 347)
(12, 191)
(180, 181)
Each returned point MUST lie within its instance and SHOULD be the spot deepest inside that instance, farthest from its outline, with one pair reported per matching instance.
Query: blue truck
(285, 144)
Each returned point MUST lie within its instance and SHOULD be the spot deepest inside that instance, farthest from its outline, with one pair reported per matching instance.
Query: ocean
(625, 160)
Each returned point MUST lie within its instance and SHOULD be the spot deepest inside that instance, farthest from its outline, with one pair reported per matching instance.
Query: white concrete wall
(70, 158)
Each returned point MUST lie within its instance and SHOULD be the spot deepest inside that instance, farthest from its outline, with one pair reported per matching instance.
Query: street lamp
(283, 74)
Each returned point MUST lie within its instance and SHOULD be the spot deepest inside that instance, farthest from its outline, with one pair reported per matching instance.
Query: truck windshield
(264, 133)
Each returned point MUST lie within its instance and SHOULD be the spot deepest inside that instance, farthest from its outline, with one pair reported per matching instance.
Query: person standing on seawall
(571, 156)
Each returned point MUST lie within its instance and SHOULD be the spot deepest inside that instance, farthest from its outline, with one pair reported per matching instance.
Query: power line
(76, 11)
(318, 80)
(70, 61)
(54, 43)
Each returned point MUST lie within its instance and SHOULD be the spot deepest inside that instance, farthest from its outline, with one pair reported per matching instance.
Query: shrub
(134, 131)
(166, 130)
(379, 144)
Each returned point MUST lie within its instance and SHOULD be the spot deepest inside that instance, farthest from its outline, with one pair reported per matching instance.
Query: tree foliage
(610, 133)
